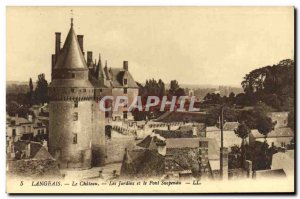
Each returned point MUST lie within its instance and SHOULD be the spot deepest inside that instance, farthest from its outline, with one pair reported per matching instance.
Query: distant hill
(18, 87)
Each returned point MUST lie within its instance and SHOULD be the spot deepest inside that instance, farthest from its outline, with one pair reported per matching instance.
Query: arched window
(75, 116)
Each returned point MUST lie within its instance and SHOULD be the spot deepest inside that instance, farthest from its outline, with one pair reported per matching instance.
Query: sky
(194, 45)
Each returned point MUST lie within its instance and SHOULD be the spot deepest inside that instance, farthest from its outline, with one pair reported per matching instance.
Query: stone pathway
(93, 173)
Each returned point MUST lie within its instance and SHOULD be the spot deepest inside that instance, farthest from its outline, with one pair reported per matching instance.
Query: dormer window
(73, 75)
(75, 116)
(74, 138)
(125, 81)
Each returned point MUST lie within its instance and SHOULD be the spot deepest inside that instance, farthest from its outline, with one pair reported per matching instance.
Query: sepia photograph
(150, 100)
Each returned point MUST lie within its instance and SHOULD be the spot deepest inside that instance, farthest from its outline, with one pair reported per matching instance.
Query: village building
(280, 119)
(28, 158)
(279, 137)
(229, 137)
(30, 128)
(168, 153)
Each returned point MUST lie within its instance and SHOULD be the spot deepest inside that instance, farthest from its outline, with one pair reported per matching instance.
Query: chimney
(27, 153)
(125, 65)
(89, 58)
(29, 117)
(57, 43)
(80, 41)
(195, 132)
(203, 157)
(162, 148)
(45, 144)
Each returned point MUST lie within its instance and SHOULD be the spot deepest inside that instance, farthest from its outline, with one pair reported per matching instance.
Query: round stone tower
(70, 107)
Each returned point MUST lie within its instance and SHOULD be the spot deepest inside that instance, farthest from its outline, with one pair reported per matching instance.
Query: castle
(76, 124)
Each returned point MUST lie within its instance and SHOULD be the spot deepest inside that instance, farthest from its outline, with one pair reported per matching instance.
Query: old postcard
(150, 100)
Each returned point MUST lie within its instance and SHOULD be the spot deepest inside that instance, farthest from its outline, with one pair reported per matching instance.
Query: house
(19, 128)
(280, 119)
(230, 138)
(175, 156)
(27, 158)
(29, 150)
(285, 161)
(279, 137)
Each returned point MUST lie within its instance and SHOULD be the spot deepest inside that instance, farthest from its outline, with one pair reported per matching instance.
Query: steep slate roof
(70, 57)
(213, 148)
(145, 143)
(175, 116)
(116, 77)
(99, 83)
(199, 126)
(279, 132)
(230, 138)
(37, 151)
(174, 133)
(19, 120)
(212, 128)
(145, 163)
(230, 126)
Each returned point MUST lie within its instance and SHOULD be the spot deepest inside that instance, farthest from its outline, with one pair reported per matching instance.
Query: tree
(252, 117)
(173, 87)
(212, 118)
(274, 85)
(180, 92)
(162, 89)
(264, 125)
(30, 93)
(41, 91)
(213, 98)
(234, 157)
(231, 98)
(12, 108)
(243, 132)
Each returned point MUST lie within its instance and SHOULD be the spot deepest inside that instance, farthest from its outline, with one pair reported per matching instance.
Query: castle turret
(71, 106)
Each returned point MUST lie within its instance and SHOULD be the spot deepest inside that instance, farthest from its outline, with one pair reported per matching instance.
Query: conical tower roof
(71, 57)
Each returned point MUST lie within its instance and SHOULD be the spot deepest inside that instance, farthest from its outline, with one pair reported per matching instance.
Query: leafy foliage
(242, 131)
(273, 85)
(265, 125)
(234, 157)
(41, 91)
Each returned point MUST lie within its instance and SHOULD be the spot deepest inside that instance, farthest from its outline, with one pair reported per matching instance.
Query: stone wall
(115, 147)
